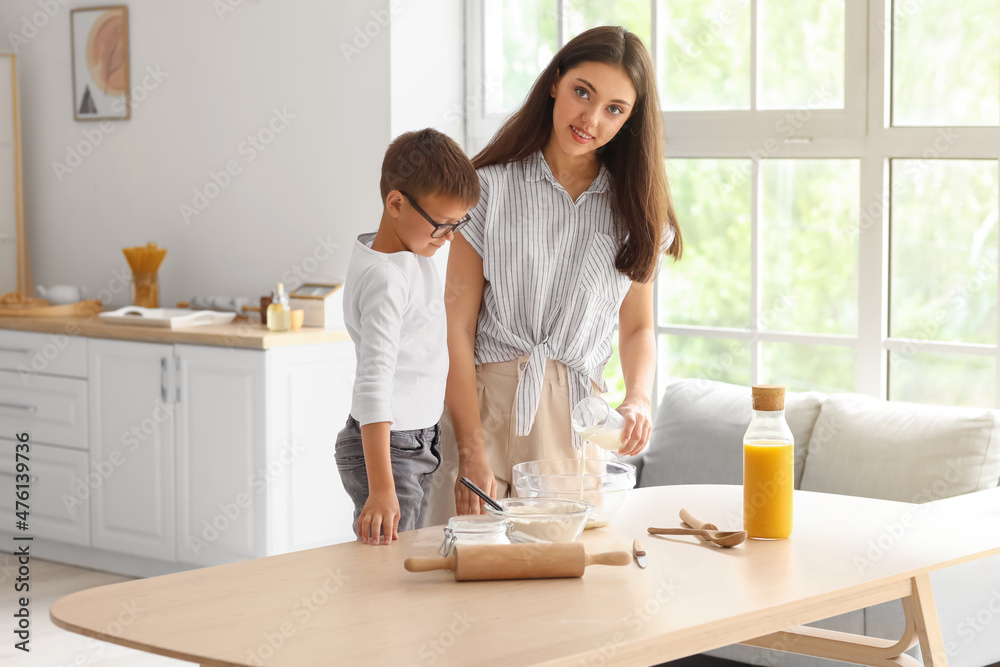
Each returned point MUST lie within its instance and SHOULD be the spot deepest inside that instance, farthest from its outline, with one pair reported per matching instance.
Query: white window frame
(886, 143)
(860, 131)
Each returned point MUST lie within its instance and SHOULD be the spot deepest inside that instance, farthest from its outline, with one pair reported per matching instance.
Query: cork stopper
(768, 397)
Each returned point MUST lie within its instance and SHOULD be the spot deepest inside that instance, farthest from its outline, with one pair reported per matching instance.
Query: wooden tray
(166, 318)
(43, 308)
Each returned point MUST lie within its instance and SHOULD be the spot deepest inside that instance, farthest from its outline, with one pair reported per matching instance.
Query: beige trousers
(550, 437)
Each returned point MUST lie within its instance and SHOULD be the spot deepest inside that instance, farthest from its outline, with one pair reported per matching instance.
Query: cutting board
(42, 308)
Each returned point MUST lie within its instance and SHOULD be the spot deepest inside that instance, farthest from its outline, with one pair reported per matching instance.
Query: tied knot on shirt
(529, 388)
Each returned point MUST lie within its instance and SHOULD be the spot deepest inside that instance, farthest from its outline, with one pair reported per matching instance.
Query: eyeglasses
(441, 229)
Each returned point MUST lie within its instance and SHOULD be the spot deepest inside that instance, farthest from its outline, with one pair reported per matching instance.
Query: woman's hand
(638, 426)
(479, 473)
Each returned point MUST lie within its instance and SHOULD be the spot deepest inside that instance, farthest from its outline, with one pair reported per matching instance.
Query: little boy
(394, 311)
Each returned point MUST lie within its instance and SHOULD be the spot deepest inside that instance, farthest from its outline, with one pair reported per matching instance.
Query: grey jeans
(414, 456)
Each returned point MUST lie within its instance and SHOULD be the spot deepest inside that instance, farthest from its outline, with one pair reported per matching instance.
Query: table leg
(920, 608)
(921, 626)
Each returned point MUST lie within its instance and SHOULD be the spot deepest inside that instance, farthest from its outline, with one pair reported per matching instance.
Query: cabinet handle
(177, 378)
(16, 350)
(163, 379)
(15, 406)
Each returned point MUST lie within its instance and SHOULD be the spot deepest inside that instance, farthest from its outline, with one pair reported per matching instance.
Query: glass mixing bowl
(604, 483)
(544, 519)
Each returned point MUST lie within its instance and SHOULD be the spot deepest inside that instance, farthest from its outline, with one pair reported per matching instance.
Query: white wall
(428, 76)
(222, 78)
(428, 73)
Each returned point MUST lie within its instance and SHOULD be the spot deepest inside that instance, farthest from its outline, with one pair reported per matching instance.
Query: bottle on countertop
(279, 313)
(768, 467)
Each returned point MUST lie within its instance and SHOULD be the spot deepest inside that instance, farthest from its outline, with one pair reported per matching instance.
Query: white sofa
(854, 445)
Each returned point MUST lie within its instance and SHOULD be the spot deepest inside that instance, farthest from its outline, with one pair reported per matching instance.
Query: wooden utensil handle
(695, 522)
(638, 548)
(610, 558)
(428, 564)
(675, 531)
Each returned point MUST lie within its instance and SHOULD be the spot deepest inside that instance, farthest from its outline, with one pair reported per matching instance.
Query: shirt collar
(536, 168)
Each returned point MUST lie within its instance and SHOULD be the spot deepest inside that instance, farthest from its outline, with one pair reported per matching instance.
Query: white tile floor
(52, 646)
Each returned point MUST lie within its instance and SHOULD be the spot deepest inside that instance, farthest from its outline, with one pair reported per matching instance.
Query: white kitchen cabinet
(309, 393)
(59, 498)
(52, 409)
(149, 457)
(225, 454)
(187, 424)
(220, 444)
(31, 354)
(132, 431)
(43, 392)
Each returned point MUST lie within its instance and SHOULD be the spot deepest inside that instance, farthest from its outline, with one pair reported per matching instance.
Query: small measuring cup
(597, 422)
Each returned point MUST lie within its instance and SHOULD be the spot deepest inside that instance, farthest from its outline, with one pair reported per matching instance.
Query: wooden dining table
(352, 604)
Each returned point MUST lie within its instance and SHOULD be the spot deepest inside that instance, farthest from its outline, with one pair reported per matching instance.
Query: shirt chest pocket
(597, 297)
(598, 274)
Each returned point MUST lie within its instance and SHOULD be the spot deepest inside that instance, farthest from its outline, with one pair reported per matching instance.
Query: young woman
(574, 213)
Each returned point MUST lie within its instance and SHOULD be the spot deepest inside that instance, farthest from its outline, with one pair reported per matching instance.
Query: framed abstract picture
(100, 55)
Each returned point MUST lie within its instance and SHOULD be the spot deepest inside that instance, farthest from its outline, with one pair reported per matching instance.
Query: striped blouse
(551, 290)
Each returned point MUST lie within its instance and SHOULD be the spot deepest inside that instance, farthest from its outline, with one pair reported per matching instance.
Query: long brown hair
(642, 206)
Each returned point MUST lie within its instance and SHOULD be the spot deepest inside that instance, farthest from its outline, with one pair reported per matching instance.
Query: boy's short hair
(428, 162)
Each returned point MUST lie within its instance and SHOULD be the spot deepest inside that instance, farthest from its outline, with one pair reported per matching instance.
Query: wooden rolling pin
(474, 562)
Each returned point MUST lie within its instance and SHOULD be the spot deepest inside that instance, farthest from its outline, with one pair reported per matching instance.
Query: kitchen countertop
(239, 333)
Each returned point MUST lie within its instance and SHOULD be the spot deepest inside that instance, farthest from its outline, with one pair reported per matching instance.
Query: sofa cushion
(698, 434)
(863, 446)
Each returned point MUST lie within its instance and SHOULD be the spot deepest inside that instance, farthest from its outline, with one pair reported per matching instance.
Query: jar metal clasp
(449, 542)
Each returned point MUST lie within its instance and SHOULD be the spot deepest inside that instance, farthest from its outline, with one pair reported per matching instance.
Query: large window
(834, 165)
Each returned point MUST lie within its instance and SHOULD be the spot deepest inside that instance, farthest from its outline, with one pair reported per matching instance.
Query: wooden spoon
(691, 521)
(724, 538)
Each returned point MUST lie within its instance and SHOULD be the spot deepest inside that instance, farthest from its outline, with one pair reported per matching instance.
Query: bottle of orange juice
(768, 467)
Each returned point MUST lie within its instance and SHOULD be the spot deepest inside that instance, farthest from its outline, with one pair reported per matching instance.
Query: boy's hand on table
(379, 515)
(479, 473)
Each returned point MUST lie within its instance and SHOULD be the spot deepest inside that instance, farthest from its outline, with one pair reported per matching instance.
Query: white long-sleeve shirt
(394, 312)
